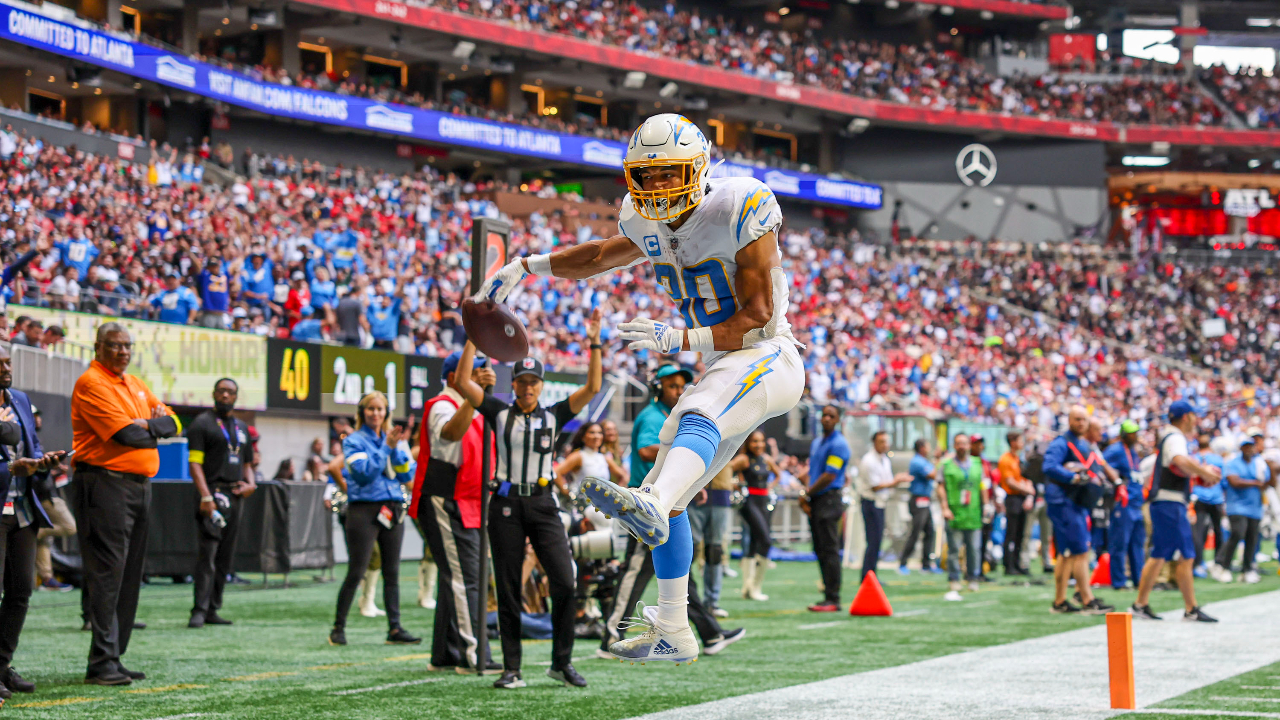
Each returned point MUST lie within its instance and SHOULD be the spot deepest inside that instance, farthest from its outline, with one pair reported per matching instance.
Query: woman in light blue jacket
(377, 468)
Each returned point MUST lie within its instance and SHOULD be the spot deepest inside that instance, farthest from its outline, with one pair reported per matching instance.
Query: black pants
(216, 554)
(873, 530)
(1208, 517)
(637, 571)
(363, 530)
(1014, 532)
(112, 527)
(456, 551)
(18, 566)
(921, 524)
(1242, 528)
(755, 513)
(512, 519)
(824, 524)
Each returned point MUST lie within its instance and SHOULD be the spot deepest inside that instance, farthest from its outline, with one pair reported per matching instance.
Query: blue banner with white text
(118, 52)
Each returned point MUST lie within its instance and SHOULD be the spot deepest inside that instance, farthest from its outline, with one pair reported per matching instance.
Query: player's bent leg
(644, 511)
(738, 393)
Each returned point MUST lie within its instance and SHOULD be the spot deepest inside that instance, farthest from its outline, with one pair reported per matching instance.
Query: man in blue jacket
(21, 459)
(1068, 462)
(1128, 531)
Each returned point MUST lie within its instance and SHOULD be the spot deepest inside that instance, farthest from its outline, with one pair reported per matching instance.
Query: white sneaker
(973, 586)
(1223, 576)
(604, 654)
(429, 604)
(1250, 578)
(636, 508)
(655, 644)
(719, 612)
(952, 596)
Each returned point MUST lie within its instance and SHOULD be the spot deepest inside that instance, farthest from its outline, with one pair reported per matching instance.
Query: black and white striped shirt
(525, 441)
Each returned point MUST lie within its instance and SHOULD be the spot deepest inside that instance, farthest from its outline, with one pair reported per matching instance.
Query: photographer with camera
(1072, 488)
(221, 462)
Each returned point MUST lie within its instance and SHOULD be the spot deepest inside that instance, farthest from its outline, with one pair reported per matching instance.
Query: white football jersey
(696, 264)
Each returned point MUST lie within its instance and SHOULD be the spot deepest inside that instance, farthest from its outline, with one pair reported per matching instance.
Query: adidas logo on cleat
(664, 648)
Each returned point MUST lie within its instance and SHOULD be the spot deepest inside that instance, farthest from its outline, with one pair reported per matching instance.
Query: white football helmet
(668, 140)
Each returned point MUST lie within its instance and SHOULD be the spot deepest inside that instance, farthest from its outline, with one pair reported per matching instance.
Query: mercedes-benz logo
(976, 165)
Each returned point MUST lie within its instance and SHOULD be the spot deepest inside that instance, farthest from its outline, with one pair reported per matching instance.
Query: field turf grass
(1236, 697)
(275, 661)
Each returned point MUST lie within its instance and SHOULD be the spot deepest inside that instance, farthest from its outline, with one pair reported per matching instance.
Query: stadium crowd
(909, 74)
(1172, 305)
(384, 259)
(1254, 96)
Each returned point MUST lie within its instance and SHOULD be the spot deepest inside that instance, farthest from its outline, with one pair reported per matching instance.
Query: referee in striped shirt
(523, 506)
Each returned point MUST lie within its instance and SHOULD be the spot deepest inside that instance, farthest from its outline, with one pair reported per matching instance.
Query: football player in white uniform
(714, 249)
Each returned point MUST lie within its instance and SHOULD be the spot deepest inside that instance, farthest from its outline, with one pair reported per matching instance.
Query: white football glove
(500, 285)
(646, 334)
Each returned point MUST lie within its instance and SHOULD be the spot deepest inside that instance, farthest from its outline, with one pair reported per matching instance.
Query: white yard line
(1232, 698)
(1260, 687)
(1068, 671)
(184, 715)
(547, 663)
(388, 686)
(1214, 713)
(815, 626)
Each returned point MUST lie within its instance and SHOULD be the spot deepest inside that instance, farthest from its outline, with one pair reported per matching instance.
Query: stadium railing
(47, 371)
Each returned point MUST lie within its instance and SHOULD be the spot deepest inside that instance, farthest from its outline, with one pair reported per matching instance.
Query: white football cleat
(1250, 578)
(953, 596)
(655, 644)
(636, 508)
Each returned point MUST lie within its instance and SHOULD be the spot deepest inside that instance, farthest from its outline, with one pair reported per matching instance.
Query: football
(495, 330)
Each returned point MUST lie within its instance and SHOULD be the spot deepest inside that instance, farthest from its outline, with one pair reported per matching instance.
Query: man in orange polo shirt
(115, 422)
(1020, 496)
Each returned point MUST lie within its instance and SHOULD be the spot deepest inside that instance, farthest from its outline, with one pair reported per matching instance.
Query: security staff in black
(523, 505)
(221, 461)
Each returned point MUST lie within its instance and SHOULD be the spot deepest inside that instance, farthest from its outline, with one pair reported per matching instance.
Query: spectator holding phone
(22, 462)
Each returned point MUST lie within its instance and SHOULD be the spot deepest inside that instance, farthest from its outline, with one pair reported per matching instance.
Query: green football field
(275, 661)
(1252, 692)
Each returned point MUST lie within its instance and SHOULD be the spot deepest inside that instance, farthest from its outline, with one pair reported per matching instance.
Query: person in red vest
(446, 505)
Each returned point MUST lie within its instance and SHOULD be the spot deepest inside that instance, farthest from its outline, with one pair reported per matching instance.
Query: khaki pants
(64, 525)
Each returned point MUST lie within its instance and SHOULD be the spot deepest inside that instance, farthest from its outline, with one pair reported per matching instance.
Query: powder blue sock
(671, 561)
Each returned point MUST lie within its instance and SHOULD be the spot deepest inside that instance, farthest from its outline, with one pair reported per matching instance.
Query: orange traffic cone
(871, 600)
(1102, 573)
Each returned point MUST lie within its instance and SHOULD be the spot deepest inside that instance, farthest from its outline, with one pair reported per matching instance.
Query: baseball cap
(976, 438)
(1254, 431)
(1128, 426)
(1247, 440)
(669, 370)
(451, 362)
(527, 366)
(1180, 408)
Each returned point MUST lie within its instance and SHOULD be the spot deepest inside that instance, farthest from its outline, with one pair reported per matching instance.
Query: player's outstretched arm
(579, 262)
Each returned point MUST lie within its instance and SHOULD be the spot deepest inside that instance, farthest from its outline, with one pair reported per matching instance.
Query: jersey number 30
(705, 297)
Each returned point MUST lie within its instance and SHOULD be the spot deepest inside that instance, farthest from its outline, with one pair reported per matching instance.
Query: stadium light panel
(1144, 161)
(463, 49)
(1259, 22)
(634, 80)
(669, 90)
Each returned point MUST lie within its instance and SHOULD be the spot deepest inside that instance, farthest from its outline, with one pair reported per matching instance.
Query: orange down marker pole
(1120, 660)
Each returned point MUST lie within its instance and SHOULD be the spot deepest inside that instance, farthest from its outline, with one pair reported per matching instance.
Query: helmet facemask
(666, 205)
